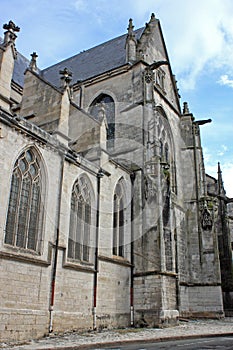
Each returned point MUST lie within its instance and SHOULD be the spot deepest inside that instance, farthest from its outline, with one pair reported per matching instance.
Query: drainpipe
(100, 174)
(177, 272)
(54, 270)
(132, 177)
(81, 96)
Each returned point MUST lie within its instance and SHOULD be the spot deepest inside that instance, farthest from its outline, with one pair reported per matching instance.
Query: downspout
(132, 177)
(177, 273)
(100, 174)
(81, 96)
(54, 270)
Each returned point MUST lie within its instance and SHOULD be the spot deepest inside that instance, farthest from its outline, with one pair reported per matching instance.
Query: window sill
(22, 257)
(115, 259)
(79, 266)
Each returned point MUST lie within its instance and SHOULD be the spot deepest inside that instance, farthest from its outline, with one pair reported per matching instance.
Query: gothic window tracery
(118, 221)
(160, 79)
(106, 102)
(159, 133)
(164, 142)
(80, 221)
(25, 210)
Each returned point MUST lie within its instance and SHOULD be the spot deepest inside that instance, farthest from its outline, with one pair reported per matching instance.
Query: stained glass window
(118, 221)
(80, 222)
(24, 215)
(107, 103)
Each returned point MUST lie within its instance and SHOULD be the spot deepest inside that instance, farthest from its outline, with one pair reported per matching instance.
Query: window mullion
(29, 208)
(82, 231)
(15, 233)
(23, 214)
(118, 226)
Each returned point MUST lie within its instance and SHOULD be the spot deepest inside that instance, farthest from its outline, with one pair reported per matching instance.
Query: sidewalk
(91, 340)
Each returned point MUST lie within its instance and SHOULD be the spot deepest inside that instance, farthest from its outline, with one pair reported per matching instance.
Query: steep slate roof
(21, 64)
(92, 62)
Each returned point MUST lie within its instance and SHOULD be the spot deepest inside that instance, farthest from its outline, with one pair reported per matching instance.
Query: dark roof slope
(92, 62)
(21, 64)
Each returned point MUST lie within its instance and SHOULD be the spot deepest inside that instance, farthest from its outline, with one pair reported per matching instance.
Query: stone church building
(107, 217)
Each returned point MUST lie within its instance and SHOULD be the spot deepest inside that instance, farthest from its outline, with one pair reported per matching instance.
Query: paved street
(188, 335)
(223, 343)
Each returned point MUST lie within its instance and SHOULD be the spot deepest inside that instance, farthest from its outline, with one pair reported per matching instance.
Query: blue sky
(199, 39)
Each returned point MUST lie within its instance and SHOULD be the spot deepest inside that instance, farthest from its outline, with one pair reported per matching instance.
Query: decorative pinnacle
(221, 189)
(152, 18)
(130, 27)
(66, 76)
(11, 27)
(185, 108)
(9, 35)
(32, 64)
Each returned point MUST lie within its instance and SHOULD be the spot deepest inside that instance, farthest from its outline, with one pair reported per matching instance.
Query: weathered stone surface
(151, 241)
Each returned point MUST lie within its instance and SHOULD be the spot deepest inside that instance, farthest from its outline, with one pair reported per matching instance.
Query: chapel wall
(25, 276)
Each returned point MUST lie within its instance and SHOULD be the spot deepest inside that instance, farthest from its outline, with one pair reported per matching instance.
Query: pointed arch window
(25, 210)
(118, 221)
(107, 102)
(80, 222)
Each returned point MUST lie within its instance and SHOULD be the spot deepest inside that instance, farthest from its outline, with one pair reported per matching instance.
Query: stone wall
(27, 276)
(113, 294)
(25, 296)
(201, 301)
(155, 300)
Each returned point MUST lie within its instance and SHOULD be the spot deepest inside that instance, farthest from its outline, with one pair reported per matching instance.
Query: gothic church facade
(107, 216)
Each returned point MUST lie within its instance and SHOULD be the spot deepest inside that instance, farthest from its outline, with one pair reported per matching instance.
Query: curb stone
(187, 329)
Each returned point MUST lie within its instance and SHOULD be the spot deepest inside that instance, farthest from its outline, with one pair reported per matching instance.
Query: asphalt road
(219, 343)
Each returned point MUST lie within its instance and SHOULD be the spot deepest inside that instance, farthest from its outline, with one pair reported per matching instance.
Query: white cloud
(223, 150)
(224, 80)
(207, 154)
(80, 5)
(198, 34)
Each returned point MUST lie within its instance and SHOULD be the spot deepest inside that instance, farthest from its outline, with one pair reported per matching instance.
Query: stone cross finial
(32, 64)
(185, 108)
(130, 27)
(11, 27)
(10, 35)
(66, 77)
